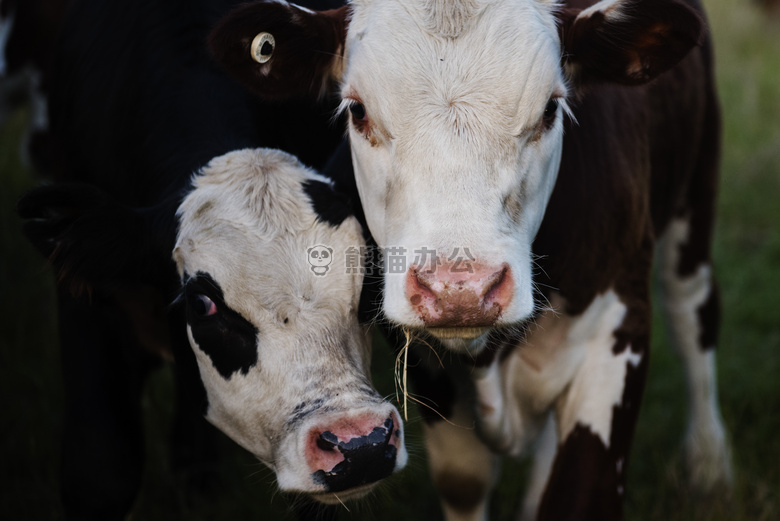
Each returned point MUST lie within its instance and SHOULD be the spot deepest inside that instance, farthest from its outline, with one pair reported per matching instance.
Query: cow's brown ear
(627, 41)
(279, 50)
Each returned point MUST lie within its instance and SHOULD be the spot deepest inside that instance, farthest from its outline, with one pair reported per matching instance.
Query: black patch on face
(330, 206)
(226, 337)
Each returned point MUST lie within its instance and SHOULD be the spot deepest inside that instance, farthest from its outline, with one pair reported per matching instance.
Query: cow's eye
(550, 111)
(203, 306)
(358, 111)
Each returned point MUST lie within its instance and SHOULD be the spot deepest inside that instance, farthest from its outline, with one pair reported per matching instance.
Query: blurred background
(747, 263)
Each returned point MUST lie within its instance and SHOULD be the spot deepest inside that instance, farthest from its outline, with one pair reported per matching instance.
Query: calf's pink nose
(450, 298)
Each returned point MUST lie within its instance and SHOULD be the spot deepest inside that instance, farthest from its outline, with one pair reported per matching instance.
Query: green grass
(747, 253)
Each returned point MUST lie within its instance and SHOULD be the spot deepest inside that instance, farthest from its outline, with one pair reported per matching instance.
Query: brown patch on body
(587, 480)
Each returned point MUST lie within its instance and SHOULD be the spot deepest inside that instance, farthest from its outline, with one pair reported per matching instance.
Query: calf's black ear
(627, 41)
(91, 241)
(279, 50)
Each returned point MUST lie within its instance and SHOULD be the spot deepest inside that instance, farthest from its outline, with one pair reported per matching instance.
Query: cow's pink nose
(459, 298)
(352, 452)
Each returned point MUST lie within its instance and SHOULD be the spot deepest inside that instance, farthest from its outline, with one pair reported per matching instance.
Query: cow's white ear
(627, 41)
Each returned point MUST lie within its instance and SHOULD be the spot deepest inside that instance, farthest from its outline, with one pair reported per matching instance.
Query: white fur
(706, 449)
(565, 363)
(455, 131)
(563, 374)
(599, 382)
(248, 224)
(612, 10)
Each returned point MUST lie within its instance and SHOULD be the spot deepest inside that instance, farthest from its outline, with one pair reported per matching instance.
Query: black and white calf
(527, 159)
(280, 353)
(271, 352)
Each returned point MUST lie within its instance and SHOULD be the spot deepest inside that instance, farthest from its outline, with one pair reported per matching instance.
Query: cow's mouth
(336, 498)
(464, 340)
(465, 333)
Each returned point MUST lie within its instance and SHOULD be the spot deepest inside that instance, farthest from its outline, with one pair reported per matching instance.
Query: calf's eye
(358, 111)
(203, 306)
(550, 111)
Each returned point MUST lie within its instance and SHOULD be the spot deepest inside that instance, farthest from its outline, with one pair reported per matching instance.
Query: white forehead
(500, 68)
(249, 224)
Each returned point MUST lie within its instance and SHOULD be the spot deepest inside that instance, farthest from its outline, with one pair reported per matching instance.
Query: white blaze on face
(456, 141)
(275, 343)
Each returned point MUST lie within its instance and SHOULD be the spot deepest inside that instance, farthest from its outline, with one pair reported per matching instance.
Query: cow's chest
(565, 364)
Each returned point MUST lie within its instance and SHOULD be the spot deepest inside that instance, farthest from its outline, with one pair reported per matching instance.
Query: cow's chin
(335, 498)
(464, 340)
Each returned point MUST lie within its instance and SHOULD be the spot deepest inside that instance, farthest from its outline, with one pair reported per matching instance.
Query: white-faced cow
(272, 353)
(527, 159)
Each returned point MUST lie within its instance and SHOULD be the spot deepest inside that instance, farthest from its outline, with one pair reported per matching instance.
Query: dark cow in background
(527, 160)
(269, 351)
(28, 31)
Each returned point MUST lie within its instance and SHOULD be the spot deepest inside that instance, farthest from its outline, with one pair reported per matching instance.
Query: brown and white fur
(564, 145)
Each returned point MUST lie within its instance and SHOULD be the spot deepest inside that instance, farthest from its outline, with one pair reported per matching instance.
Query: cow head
(281, 355)
(280, 351)
(455, 114)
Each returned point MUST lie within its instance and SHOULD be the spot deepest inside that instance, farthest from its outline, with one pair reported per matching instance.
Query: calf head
(281, 355)
(283, 359)
(455, 114)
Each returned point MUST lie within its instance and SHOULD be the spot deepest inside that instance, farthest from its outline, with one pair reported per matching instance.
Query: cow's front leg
(597, 412)
(544, 455)
(464, 470)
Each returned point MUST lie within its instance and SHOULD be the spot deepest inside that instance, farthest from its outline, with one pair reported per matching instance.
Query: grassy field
(747, 251)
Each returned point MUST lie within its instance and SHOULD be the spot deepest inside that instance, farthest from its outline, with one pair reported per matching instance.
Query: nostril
(499, 287)
(424, 280)
(327, 441)
(419, 286)
(494, 281)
